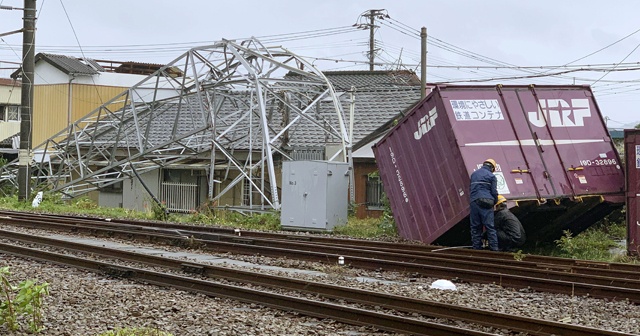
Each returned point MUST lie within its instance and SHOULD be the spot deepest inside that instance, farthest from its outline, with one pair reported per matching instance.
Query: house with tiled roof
(376, 98)
(186, 137)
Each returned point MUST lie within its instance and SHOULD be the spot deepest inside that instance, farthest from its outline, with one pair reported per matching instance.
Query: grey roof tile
(344, 80)
(68, 65)
(375, 104)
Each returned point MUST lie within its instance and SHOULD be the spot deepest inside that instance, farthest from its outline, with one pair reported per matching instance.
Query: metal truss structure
(234, 105)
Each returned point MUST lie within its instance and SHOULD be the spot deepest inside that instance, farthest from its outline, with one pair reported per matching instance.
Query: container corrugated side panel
(550, 142)
(424, 183)
(632, 160)
(555, 134)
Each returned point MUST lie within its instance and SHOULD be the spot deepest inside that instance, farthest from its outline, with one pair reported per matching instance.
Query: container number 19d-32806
(598, 162)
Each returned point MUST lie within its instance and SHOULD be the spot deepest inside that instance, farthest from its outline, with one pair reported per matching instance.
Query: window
(10, 113)
(113, 188)
(249, 193)
(374, 193)
(307, 153)
(13, 113)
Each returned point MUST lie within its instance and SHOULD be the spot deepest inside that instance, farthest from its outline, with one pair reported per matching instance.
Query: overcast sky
(554, 36)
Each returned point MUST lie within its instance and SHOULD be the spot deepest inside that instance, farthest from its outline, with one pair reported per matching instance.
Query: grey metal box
(314, 194)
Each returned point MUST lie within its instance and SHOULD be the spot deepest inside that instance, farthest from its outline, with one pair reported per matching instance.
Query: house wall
(234, 196)
(53, 88)
(135, 196)
(51, 112)
(361, 171)
(9, 95)
(110, 199)
(9, 128)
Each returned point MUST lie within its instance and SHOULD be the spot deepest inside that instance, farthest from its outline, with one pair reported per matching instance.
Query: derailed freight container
(557, 165)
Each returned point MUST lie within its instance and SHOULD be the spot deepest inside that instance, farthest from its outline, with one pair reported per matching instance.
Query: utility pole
(28, 60)
(373, 13)
(372, 40)
(423, 62)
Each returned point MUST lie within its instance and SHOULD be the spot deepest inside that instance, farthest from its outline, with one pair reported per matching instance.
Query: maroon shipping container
(632, 160)
(557, 165)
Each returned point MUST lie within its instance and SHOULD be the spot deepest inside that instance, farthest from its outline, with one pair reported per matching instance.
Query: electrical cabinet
(314, 195)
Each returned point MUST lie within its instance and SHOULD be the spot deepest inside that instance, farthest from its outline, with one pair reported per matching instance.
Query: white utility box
(314, 195)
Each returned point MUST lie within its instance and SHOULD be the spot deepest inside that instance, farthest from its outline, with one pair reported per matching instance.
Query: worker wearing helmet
(483, 196)
(510, 232)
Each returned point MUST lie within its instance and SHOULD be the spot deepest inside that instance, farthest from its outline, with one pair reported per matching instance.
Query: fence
(179, 197)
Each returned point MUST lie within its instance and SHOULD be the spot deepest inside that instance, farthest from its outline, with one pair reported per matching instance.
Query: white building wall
(10, 95)
(47, 74)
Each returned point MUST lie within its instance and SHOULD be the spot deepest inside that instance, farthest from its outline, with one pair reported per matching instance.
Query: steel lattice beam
(230, 102)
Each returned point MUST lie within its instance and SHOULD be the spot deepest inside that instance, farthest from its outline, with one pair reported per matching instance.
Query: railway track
(555, 275)
(564, 264)
(369, 303)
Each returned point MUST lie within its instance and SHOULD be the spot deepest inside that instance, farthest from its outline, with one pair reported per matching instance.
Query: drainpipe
(69, 100)
(352, 107)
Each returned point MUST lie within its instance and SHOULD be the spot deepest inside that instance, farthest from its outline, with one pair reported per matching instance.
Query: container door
(632, 159)
(587, 161)
(536, 135)
(568, 147)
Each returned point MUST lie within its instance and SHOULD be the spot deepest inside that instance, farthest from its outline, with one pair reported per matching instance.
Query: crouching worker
(510, 232)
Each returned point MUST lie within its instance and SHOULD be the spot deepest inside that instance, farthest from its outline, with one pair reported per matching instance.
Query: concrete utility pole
(28, 60)
(423, 62)
(372, 25)
(372, 40)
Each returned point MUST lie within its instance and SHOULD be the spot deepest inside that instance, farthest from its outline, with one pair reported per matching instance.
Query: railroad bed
(618, 315)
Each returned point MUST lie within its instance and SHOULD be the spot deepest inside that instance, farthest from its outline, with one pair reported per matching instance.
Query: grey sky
(504, 33)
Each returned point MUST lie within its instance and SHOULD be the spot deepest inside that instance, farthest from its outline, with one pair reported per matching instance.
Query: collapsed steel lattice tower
(232, 104)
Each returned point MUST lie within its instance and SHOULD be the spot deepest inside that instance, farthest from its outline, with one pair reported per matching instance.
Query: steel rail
(571, 284)
(631, 271)
(349, 315)
(176, 237)
(404, 304)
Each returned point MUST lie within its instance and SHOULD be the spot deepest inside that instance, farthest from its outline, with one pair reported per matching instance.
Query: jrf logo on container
(398, 176)
(426, 123)
(559, 113)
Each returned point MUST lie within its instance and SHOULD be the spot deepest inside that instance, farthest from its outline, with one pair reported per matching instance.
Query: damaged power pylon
(233, 105)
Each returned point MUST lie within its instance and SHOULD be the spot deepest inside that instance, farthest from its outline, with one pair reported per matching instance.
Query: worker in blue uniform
(483, 196)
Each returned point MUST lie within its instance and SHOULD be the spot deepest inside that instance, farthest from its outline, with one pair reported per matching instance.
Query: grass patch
(366, 228)
(590, 245)
(55, 204)
(595, 243)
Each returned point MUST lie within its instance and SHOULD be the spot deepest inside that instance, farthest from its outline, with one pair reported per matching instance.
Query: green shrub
(159, 211)
(591, 244)
(21, 303)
